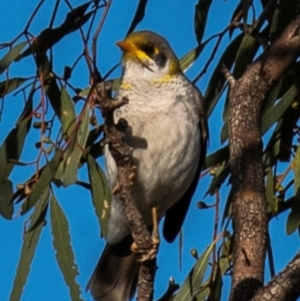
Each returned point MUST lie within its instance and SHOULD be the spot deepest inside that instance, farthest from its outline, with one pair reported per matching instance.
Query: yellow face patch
(126, 86)
(164, 79)
(129, 48)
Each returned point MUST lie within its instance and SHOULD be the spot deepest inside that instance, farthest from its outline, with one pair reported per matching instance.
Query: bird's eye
(149, 49)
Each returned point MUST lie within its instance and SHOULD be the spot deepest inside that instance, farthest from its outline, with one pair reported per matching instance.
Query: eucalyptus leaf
(6, 194)
(38, 216)
(297, 170)
(187, 60)
(11, 56)
(46, 176)
(30, 241)
(12, 146)
(101, 194)
(69, 166)
(293, 220)
(245, 54)
(67, 113)
(200, 18)
(270, 193)
(64, 253)
(217, 81)
(193, 282)
(10, 85)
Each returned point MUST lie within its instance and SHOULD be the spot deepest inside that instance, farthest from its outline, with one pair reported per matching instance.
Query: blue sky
(175, 21)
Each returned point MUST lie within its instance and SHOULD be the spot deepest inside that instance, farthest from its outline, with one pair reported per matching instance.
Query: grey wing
(175, 216)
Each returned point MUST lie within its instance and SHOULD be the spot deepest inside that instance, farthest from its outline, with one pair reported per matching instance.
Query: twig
(172, 288)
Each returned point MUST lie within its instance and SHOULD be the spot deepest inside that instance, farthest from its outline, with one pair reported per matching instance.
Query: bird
(168, 133)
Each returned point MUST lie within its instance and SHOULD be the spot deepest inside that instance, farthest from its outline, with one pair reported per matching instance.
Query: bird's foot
(149, 254)
(132, 174)
(116, 189)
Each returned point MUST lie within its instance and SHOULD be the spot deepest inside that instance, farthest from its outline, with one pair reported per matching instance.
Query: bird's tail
(115, 276)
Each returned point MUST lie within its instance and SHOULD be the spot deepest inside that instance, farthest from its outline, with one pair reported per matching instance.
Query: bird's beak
(140, 56)
(127, 47)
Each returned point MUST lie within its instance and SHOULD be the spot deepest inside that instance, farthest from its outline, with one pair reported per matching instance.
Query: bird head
(148, 55)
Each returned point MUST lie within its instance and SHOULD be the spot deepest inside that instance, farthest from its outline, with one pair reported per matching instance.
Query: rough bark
(250, 220)
(121, 152)
(283, 287)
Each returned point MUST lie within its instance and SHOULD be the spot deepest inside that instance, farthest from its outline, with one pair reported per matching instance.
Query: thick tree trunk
(250, 220)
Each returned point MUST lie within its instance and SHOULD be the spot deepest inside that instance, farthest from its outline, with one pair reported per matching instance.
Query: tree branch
(283, 287)
(121, 152)
(250, 220)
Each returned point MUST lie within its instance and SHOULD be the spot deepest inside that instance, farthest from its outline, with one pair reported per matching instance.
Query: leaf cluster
(51, 102)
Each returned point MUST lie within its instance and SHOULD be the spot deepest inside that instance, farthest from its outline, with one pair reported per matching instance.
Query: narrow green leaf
(43, 65)
(138, 16)
(64, 253)
(50, 36)
(270, 193)
(187, 60)
(54, 95)
(12, 147)
(245, 54)
(297, 170)
(195, 277)
(38, 216)
(10, 150)
(28, 249)
(270, 256)
(101, 193)
(85, 91)
(274, 114)
(202, 294)
(221, 175)
(293, 220)
(77, 12)
(215, 86)
(9, 85)
(94, 134)
(6, 194)
(217, 157)
(266, 14)
(95, 150)
(47, 175)
(228, 207)
(116, 84)
(236, 12)
(285, 11)
(224, 133)
(272, 96)
(67, 113)
(246, 5)
(225, 262)
(72, 161)
(11, 56)
(217, 285)
(289, 123)
(200, 18)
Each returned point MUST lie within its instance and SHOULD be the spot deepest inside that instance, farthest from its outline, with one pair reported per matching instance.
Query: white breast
(164, 134)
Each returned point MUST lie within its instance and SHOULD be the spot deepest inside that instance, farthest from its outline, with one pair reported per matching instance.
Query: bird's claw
(116, 189)
(132, 174)
(147, 254)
